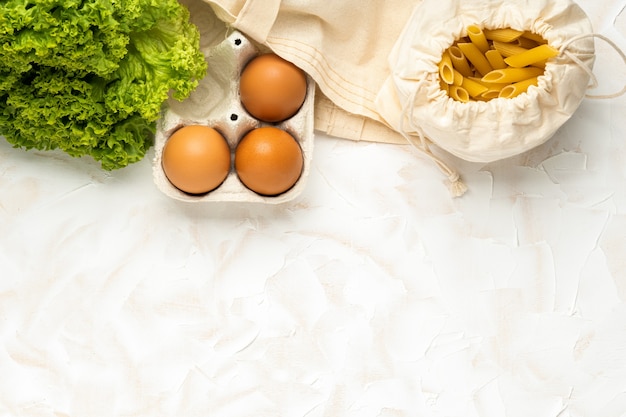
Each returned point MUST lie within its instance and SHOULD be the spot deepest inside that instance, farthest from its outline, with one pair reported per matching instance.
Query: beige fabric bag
(500, 128)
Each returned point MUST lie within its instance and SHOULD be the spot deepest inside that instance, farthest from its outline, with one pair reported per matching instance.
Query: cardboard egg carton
(216, 103)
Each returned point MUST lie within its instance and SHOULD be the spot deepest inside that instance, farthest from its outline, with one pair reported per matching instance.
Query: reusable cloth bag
(413, 101)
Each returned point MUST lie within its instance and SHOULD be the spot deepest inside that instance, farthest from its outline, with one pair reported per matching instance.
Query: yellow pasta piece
(490, 94)
(515, 89)
(490, 86)
(540, 64)
(538, 54)
(473, 88)
(459, 93)
(477, 37)
(508, 49)
(458, 78)
(512, 75)
(502, 35)
(492, 90)
(534, 37)
(445, 69)
(495, 59)
(473, 55)
(526, 43)
(459, 62)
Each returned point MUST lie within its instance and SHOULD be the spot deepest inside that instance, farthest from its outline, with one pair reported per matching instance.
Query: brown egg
(271, 88)
(268, 161)
(196, 159)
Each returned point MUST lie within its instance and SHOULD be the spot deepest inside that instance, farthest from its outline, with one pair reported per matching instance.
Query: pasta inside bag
(413, 101)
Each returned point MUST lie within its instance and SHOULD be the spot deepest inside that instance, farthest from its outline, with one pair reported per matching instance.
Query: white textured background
(374, 295)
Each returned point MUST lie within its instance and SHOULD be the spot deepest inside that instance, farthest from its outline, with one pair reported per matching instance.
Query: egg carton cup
(216, 103)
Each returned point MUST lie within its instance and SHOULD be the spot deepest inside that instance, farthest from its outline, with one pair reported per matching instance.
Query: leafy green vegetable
(90, 76)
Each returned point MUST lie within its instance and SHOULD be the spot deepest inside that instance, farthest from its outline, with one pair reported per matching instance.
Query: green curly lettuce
(90, 77)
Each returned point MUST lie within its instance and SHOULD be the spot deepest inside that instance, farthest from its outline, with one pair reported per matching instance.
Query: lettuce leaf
(90, 77)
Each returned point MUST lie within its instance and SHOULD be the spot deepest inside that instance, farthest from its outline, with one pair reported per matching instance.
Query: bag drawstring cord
(594, 80)
(422, 143)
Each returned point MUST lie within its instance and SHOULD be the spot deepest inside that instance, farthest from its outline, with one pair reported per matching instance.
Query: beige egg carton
(216, 103)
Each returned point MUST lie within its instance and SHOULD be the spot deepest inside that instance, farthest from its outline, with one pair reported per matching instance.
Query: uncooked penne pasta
(445, 69)
(473, 88)
(495, 59)
(534, 37)
(502, 35)
(459, 61)
(458, 78)
(492, 89)
(532, 56)
(493, 64)
(508, 49)
(490, 95)
(512, 75)
(490, 86)
(515, 89)
(525, 43)
(540, 64)
(473, 55)
(459, 94)
(477, 37)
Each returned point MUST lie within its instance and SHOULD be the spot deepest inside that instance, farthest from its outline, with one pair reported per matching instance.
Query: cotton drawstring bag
(413, 101)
